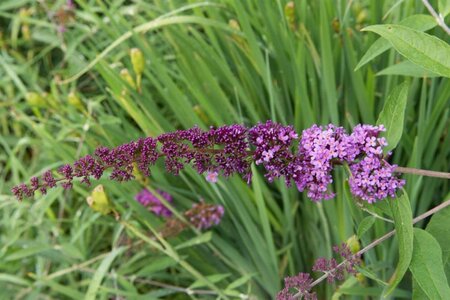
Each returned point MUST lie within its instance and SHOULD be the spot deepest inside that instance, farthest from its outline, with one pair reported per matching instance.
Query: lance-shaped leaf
(427, 267)
(423, 49)
(402, 214)
(393, 114)
(417, 22)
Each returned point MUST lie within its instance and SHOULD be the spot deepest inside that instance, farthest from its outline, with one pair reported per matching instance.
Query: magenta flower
(148, 199)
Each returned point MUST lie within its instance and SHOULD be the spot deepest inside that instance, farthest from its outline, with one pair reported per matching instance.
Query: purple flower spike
(148, 199)
(231, 149)
(234, 158)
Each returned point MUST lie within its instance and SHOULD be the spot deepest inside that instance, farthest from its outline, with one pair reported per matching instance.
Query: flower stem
(422, 172)
(379, 241)
(439, 18)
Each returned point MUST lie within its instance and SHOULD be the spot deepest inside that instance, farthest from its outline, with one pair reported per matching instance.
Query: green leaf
(427, 267)
(369, 274)
(393, 114)
(348, 283)
(203, 238)
(422, 49)
(212, 278)
(418, 293)
(401, 212)
(156, 264)
(31, 251)
(365, 225)
(13, 279)
(407, 68)
(439, 228)
(444, 7)
(417, 22)
(240, 281)
(101, 272)
(64, 289)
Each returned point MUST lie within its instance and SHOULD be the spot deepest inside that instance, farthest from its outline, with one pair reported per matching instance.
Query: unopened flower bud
(362, 16)
(26, 34)
(75, 101)
(137, 60)
(234, 24)
(289, 12)
(127, 77)
(353, 244)
(360, 277)
(201, 114)
(24, 13)
(336, 25)
(357, 7)
(35, 100)
(99, 201)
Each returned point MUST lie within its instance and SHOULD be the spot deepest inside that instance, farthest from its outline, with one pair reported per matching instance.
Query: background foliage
(207, 64)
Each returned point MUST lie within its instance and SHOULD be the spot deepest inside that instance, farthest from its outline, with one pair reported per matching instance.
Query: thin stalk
(422, 172)
(438, 17)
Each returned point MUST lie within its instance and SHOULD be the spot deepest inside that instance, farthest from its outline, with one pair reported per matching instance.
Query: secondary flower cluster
(300, 285)
(202, 215)
(151, 201)
(231, 149)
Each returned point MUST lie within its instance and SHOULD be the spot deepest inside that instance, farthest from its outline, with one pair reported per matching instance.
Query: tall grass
(207, 64)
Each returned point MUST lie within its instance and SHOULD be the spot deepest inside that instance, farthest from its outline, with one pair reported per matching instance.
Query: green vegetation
(64, 93)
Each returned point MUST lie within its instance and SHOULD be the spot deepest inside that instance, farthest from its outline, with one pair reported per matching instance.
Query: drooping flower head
(231, 149)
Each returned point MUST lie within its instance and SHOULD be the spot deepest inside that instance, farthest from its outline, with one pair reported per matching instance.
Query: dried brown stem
(422, 172)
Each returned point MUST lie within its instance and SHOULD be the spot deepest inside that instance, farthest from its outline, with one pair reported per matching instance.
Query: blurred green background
(207, 64)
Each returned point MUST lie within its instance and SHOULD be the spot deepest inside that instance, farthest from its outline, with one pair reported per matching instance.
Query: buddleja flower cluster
(300, 286)
(231, 149)
(202, 216)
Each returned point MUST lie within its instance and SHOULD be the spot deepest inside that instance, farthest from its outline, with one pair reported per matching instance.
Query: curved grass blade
(101, 272)
(152, 25)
